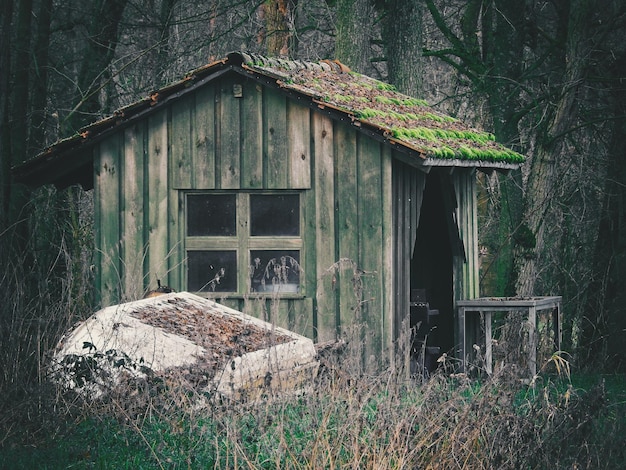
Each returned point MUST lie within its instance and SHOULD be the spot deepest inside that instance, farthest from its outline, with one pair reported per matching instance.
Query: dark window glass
(275, 270)
(211, 215)
(274, 215)
(212, 271)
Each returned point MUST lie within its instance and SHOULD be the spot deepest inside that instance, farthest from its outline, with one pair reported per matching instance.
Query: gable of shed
(420, 135)
(236, 134)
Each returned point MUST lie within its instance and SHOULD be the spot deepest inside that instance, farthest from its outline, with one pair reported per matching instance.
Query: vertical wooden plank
(132, 211)
(256, 306)
(403, 230)
(370, 218)
(175, 240)
(97, 222)
(305, 312)
(252, 136)
(398, 317)
(275, 131)
(407, 189)
(181, 165)
(299, 138)
(387, 304)
(229, 171)
(346, 223)
(243, 241)
(532, 340)
(488, 342)
(157, 197)
(179, 282)
(472, 203)
(324, 228)
(279, 312)
(108, 207)
(301, 315)
(203, 138)
(462, 340)
(230, 303)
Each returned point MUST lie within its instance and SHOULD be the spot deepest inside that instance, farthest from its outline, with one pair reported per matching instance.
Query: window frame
(243, 243)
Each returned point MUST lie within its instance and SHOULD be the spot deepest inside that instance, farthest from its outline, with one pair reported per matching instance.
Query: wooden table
(487, 305)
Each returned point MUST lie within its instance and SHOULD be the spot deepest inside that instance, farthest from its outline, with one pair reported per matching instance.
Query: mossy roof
(427, 136)
(403, 119)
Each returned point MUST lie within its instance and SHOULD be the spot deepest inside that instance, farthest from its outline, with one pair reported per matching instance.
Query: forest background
(548, 78)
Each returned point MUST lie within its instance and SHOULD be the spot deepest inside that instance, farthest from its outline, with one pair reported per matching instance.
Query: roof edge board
(471, 163)
(82, 141)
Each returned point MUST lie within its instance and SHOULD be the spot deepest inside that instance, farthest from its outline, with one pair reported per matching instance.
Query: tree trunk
(354, 24)
(19, 108)
(402, 38)
(6, 14)
(543, 176)
(99, 51)
(40, 83)
(278, 16)
(604, 323)
(18, 118)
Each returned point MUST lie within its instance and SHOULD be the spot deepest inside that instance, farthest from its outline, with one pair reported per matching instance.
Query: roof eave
(41, 169)
(479, 164)
(46, 169)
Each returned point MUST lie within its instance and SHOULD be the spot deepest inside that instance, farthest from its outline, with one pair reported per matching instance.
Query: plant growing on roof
(383, 99)
(385, 86)
(342, 98)
(414, 102)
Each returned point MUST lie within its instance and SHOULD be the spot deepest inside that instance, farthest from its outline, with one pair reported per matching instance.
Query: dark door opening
(431, 273)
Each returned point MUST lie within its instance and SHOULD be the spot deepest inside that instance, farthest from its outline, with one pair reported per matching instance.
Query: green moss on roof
(436, 135)
(409, 120)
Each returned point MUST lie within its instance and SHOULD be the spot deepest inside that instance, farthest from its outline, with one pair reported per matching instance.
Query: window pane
(274, 215)
(212, 271)
(275, 270)
(211, 215)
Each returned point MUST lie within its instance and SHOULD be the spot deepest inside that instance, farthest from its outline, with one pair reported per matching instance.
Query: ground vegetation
(546, 78)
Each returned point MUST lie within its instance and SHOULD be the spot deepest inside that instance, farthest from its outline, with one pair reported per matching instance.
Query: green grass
(360, 423)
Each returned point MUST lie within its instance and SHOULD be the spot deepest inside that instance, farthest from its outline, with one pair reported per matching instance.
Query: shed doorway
(432, 305)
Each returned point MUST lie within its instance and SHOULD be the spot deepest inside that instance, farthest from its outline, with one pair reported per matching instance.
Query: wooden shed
(303, 193)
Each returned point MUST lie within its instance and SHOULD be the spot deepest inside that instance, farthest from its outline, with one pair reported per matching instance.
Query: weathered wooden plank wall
(252, 136)
(346, 226)
(214, 138)
(371, 245)
(408, 188)
(228, 151)
(299, 145)
(202, 152)
(158, 198)
(388, 268)
(323, 225)
(133, 199)
(107, 216)
(256, 141)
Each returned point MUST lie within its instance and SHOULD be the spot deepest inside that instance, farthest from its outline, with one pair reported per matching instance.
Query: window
(207, 271)
(274, 215)
(211, 215)
(244, 242)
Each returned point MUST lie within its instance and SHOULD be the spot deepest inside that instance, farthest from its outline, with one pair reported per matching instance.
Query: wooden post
(532, 340)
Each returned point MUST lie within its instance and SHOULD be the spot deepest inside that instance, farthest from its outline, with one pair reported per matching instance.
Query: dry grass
(345, 420)
(350, 418)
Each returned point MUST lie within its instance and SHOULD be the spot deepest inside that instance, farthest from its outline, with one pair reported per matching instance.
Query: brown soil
(224, 337)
